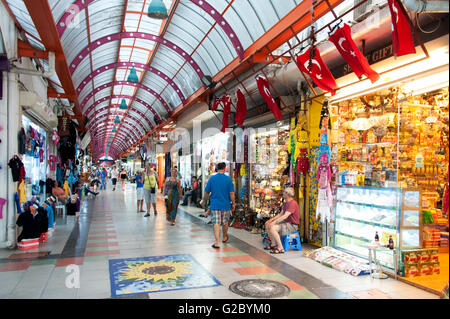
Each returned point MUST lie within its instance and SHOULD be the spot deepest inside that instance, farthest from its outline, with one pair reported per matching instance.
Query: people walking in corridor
(139, 192)
(123, 177)
(284, 223)
(220, 192)
(172, 192)
(114, 176)
(150, 186)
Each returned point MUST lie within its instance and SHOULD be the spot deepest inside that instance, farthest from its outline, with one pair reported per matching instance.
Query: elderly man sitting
(284, 223)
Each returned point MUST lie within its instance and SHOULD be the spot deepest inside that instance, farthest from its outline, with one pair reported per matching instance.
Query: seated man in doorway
(284, 223)
(193, 193)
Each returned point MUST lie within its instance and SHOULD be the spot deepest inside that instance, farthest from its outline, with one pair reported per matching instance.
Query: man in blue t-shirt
(220, 192)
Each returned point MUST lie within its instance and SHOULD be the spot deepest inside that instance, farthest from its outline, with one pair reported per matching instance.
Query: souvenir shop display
(35, 156)
(339, 260)
(215, 149)
(267, 164)
(392, 159)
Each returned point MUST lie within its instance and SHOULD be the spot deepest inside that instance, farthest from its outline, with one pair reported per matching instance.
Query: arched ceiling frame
(95, 123)
(133, 35)
(125, 83)
(69, 15)
(121, 96)
(95, 117)
(132, 64)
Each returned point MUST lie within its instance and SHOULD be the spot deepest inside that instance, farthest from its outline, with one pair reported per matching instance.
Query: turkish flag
(241, 108)
(226, 100)
(263, 88)
(215, 104)
(319, 73)
(402, 40)
(344, 43)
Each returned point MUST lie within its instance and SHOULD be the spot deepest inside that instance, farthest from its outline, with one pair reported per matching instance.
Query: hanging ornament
(263, 88)
(344, 43)
(241, 108)
(312, 64)
(114, 129)
(132, 77)
(117, 120)
(123, 105)
(402, 40)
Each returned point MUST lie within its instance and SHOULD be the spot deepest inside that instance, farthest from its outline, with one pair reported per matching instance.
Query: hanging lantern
(133, 76)
(114, 129)
(123, 105)
(157, 10)
(117, 120)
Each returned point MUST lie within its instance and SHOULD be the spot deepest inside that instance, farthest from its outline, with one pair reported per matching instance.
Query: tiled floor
(75, 261)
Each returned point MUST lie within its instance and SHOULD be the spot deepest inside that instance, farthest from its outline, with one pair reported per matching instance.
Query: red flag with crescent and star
(263, 88)
(226, 100)
(344, 43)
(318, 71)
(402, 40)
(241, 108)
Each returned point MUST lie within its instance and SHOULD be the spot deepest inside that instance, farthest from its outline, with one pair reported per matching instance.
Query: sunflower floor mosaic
(158, 273)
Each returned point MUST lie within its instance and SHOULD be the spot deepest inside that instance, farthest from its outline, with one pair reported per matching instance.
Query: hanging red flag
(263, 88)
(318, 71)
(241, 108)
(226, 100)
(215, 104)
(402, 40)
(344, 43)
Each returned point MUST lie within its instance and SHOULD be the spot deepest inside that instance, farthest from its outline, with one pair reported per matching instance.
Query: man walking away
(220, 192)
(114, 176)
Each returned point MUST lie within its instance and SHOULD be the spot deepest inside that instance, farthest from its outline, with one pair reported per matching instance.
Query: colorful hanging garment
(402, 40)
(344, 43)
(318, 71)
(263, 88)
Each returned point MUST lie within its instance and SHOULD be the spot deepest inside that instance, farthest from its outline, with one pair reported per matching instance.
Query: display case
(411, 219)
(267, 164)
(363, 211)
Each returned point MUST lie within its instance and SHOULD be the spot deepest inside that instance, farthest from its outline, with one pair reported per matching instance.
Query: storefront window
(215, 149)
(390, 152)
(268, 153)
(35, 158)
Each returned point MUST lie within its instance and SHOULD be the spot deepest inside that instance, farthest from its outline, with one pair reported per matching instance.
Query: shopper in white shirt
(114, 176)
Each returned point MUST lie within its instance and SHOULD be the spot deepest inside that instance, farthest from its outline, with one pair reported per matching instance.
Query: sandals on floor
(214, 246)
(277, 251)
(270, 247)
(224, 241)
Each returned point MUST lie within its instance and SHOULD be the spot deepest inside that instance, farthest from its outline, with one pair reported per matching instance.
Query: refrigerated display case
(361, 212)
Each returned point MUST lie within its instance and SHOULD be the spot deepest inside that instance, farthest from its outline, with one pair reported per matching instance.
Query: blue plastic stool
(291, 241)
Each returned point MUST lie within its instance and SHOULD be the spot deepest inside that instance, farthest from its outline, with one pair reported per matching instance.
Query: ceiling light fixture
(157, 10)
